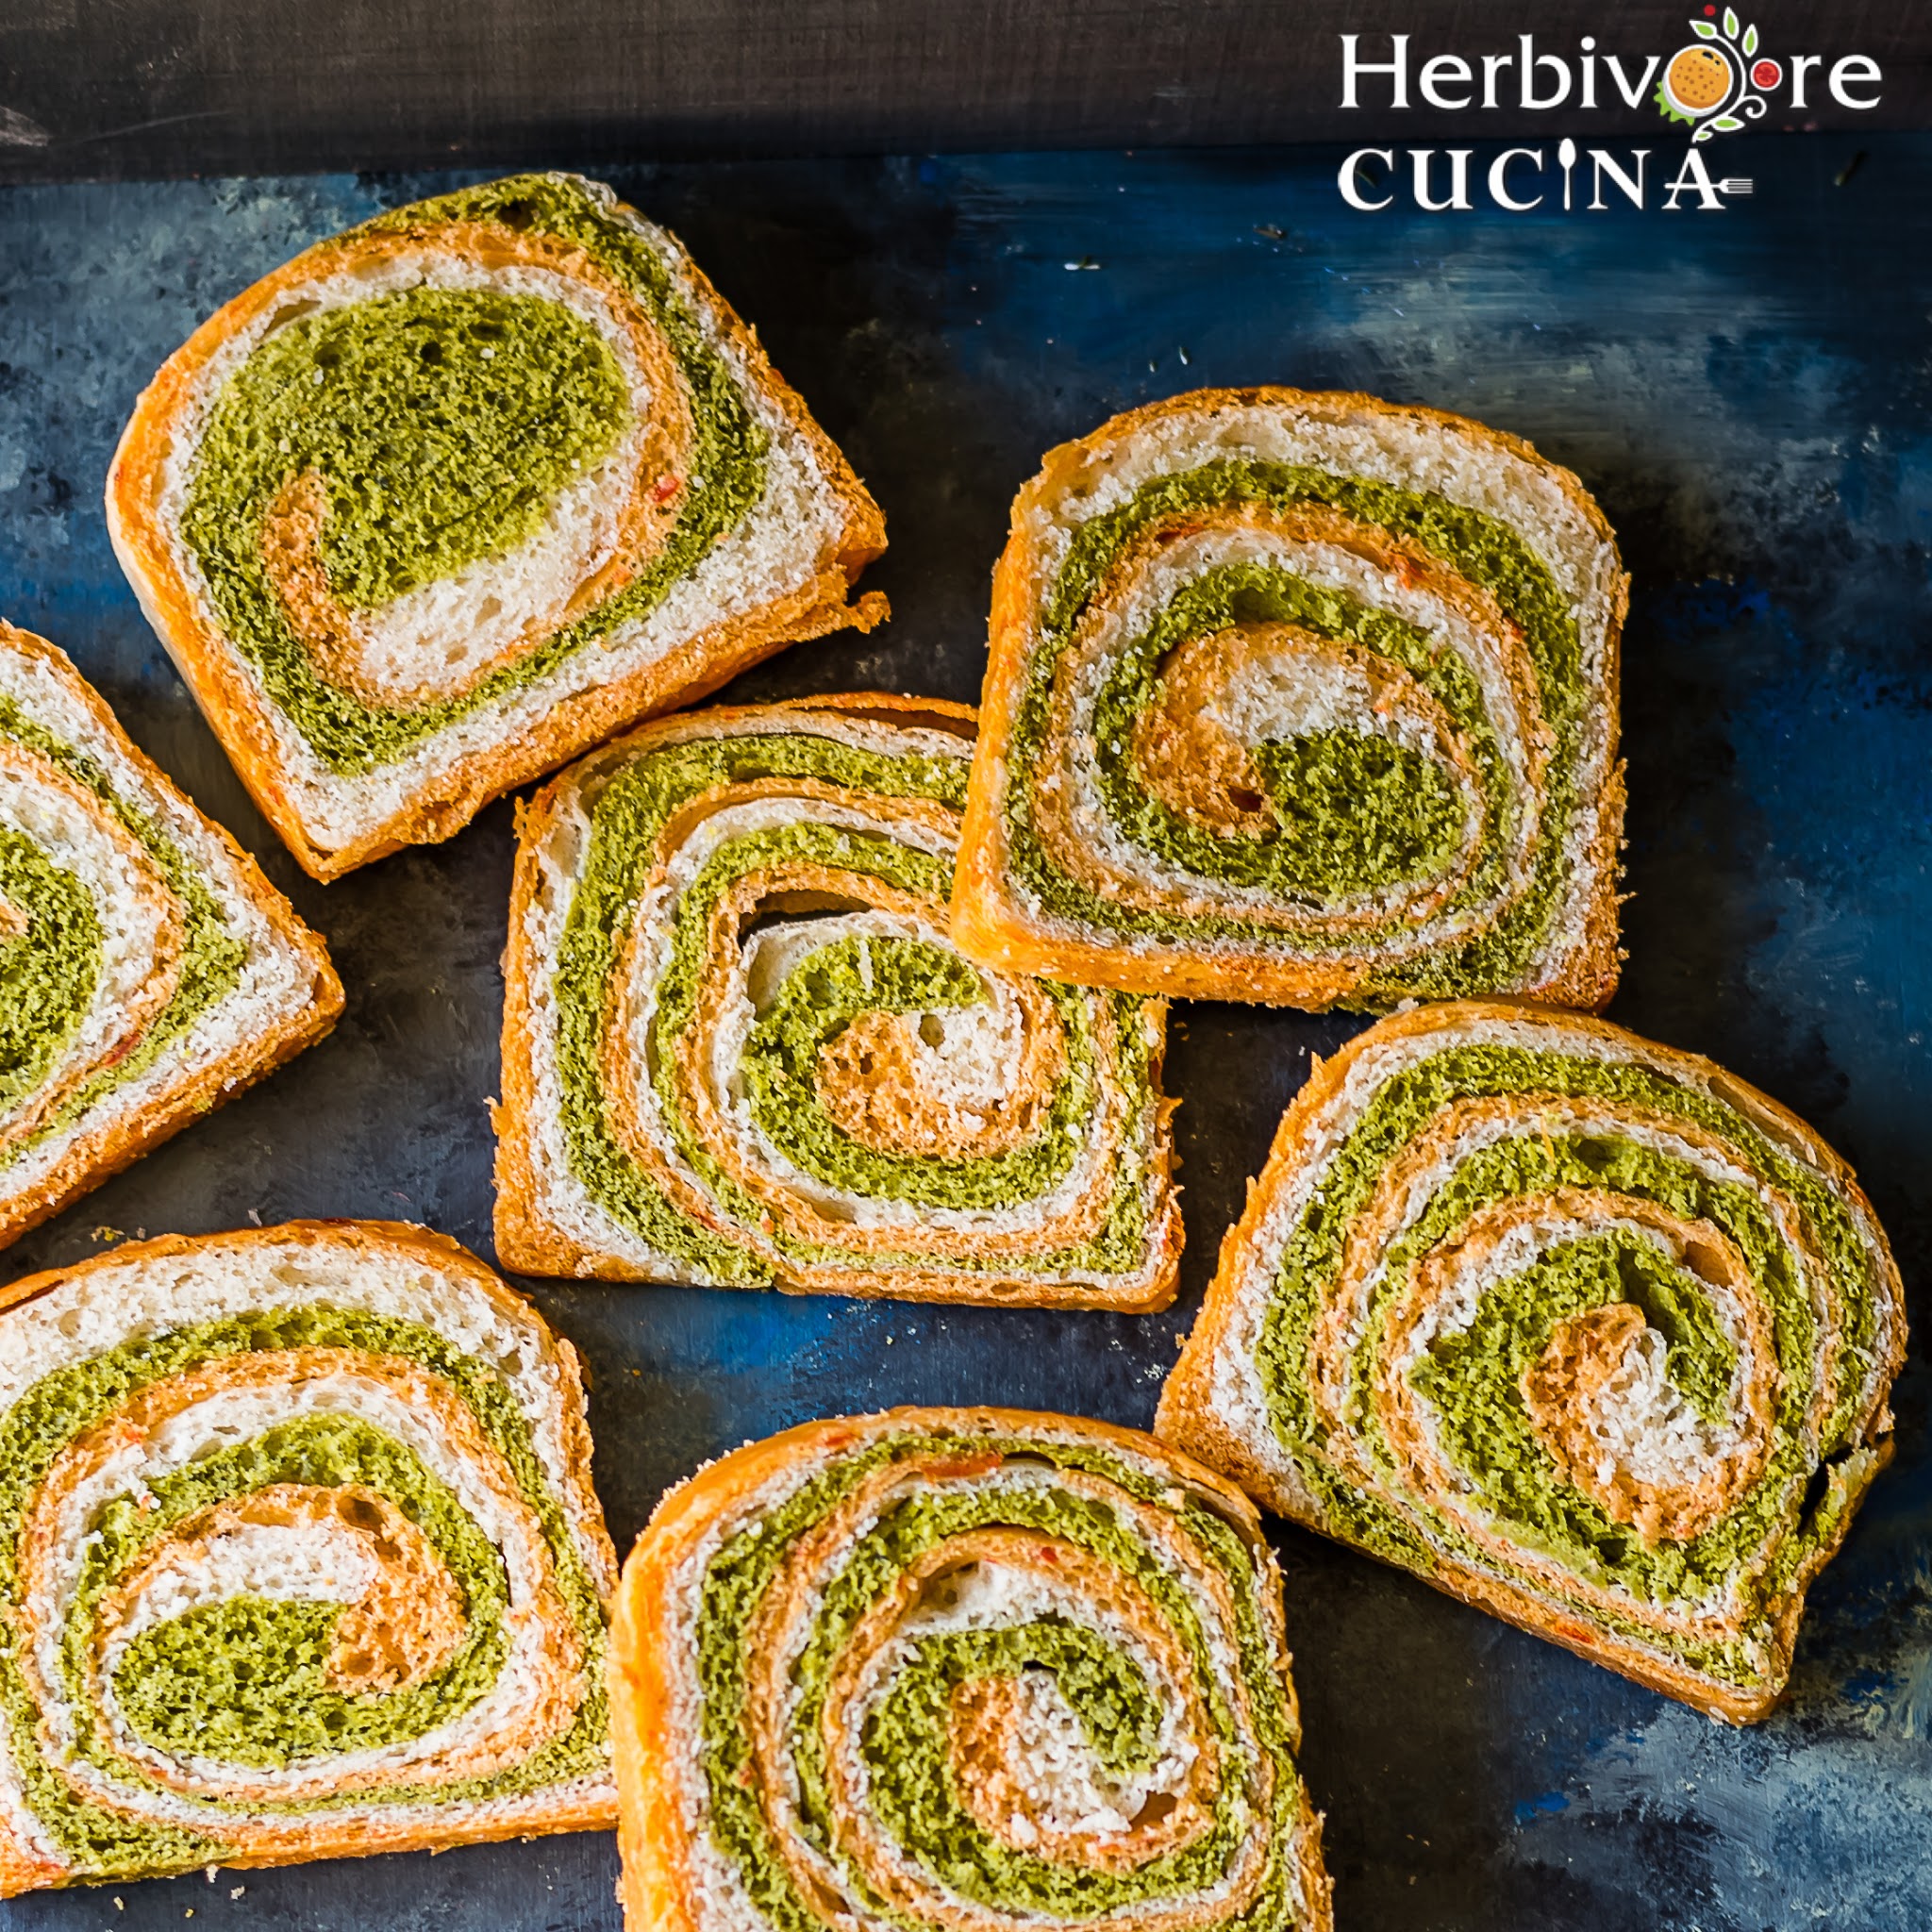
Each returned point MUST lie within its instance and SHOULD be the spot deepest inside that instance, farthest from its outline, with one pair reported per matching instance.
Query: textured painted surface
(1748, 395)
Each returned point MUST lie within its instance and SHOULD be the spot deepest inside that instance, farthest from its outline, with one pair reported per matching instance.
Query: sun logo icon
(1717, 83)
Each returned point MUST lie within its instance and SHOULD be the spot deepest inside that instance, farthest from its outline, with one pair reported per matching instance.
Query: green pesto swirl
(506, 397)
(1473, 1377)
(241, 1681)
(821, 999)
(910, 1790)
(49, 972)
(244, 1680)
(818, 1001)
(1356, 813)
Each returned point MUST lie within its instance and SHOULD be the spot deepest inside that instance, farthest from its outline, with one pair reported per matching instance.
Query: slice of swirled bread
(739, 1048)
(148, 971)
(452, 496)
(1301, 699)
(299, 1559)
(959, 1668)
(1579, 1328)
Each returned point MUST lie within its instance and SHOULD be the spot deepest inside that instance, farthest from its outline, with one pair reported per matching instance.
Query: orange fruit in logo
(1698, 79)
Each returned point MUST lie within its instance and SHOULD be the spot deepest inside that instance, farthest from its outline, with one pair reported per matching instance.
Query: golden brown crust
(529, 1241)
(587, 1806)
(658, 1888)
(989, 924)
(244, 723)
(20, 1872)
(1188, 1416)
(96, 1156)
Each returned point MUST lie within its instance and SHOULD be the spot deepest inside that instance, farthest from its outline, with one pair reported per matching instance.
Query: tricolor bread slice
(738, 1047)
(1305, 699)
(148, 972)
(1579, 1328)
(454, 496)
(963, 1668)
(299, 1559)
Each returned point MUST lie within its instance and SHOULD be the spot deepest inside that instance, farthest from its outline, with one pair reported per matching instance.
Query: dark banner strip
(113, 88)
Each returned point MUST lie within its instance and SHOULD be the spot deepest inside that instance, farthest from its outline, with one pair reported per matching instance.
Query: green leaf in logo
(1730, 24)
(1704, 30)
(1668, 110)
(1726, 124)
(1750, 40)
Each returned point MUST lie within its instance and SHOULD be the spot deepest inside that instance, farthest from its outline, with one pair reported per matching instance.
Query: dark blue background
(1746, 392)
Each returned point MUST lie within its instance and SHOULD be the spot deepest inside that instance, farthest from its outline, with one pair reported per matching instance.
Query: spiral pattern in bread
(147, 970)
(970, 1669)
(452, 496)
(741, 1048)
(1304, 699)
(298, 1558)
(1580, 1329)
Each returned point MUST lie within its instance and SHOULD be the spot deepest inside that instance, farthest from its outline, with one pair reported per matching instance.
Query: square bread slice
(1059, 1700)
(1304, 699)
(148, 972)
(739, 1048)
(452, 497)
(1580, 1329)
(299, 1559)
